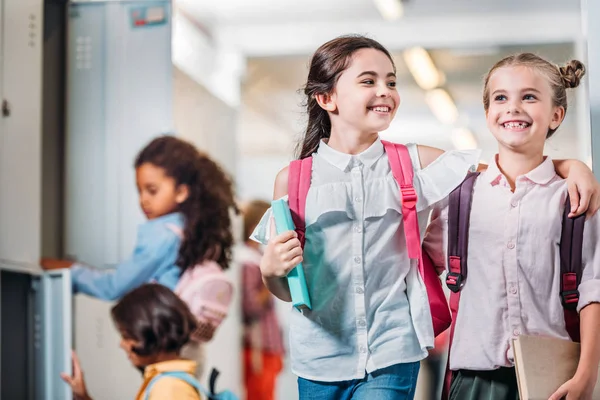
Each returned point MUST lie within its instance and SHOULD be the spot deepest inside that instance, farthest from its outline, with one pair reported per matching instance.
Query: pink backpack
(208, 292)
(299, 182)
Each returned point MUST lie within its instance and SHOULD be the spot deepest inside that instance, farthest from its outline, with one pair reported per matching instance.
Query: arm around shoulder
(428, 154)
(584, 188)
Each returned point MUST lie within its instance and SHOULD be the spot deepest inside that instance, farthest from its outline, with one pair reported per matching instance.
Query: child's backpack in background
(208, 292)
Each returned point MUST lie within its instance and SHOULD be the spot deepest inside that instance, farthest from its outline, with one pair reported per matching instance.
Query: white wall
(204, 120)
(210, 124)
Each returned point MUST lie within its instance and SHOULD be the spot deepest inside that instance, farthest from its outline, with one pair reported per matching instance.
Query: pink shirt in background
(261, 325)
(514, 265)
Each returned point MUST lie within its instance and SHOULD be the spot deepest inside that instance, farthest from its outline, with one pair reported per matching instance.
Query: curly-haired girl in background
(178, 187)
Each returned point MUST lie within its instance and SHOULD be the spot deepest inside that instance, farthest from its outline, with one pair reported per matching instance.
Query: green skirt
(499, 384)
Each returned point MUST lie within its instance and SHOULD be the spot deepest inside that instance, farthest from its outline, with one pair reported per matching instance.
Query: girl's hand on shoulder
(282, 254)
(584, 190)
(54, 263)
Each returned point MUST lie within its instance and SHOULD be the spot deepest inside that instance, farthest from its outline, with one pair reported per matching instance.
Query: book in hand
(544, 364)
(296, 279)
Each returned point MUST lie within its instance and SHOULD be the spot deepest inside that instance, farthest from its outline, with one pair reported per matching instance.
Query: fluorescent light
(442, 106)
(390, 9)
(422, 68)
(463, 139)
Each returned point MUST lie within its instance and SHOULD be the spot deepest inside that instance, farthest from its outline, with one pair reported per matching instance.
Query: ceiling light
(442, 106)
(390, 9)
(463, 139)
(422, 68)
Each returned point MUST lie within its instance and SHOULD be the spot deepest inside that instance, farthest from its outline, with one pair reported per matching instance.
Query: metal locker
(36, 334)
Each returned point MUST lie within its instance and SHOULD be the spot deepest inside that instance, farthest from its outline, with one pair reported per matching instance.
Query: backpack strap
(571, 247)
(401, 165)
(212, 382)
(402, 169)
(184, 376)
(459, 212)
(299, 177)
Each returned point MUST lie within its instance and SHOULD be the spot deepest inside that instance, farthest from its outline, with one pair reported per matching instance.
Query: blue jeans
(397, 382)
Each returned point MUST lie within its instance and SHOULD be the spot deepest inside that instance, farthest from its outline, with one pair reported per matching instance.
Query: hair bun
(572, 73)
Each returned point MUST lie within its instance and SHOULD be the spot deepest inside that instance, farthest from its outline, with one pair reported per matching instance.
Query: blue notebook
(296, 279)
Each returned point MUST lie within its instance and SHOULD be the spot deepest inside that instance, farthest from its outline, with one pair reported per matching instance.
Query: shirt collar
(342, 160)
(188, 366)
(541, 175)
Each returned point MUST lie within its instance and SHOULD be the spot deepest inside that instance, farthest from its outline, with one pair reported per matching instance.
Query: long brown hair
(326, 66)
(559, 78)
(207, 230)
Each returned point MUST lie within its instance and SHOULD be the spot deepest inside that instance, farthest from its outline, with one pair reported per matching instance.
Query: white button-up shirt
(514, 265)
(369, 304)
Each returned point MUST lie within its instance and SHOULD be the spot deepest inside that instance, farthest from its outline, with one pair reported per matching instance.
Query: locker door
(20, 136)
(53, 340)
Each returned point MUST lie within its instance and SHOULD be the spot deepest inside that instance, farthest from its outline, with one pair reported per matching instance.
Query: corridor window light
(422, 68)
(463, 139)
(442, 106)
(390, 10)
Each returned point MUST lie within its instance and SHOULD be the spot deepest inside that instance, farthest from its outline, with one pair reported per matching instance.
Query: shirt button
(359, 290)
(512, 289)
(514, 204)
(362, 349)
(362, 323)
(358, 199)
(357, 229)
(510, 245)
(357, 259)
(516, 332)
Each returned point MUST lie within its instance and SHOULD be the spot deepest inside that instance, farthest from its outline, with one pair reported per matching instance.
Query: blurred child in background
(154, 324)
(263, 343)
(186, 198)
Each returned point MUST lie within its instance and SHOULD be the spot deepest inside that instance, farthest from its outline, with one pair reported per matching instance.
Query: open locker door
(53, 340)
